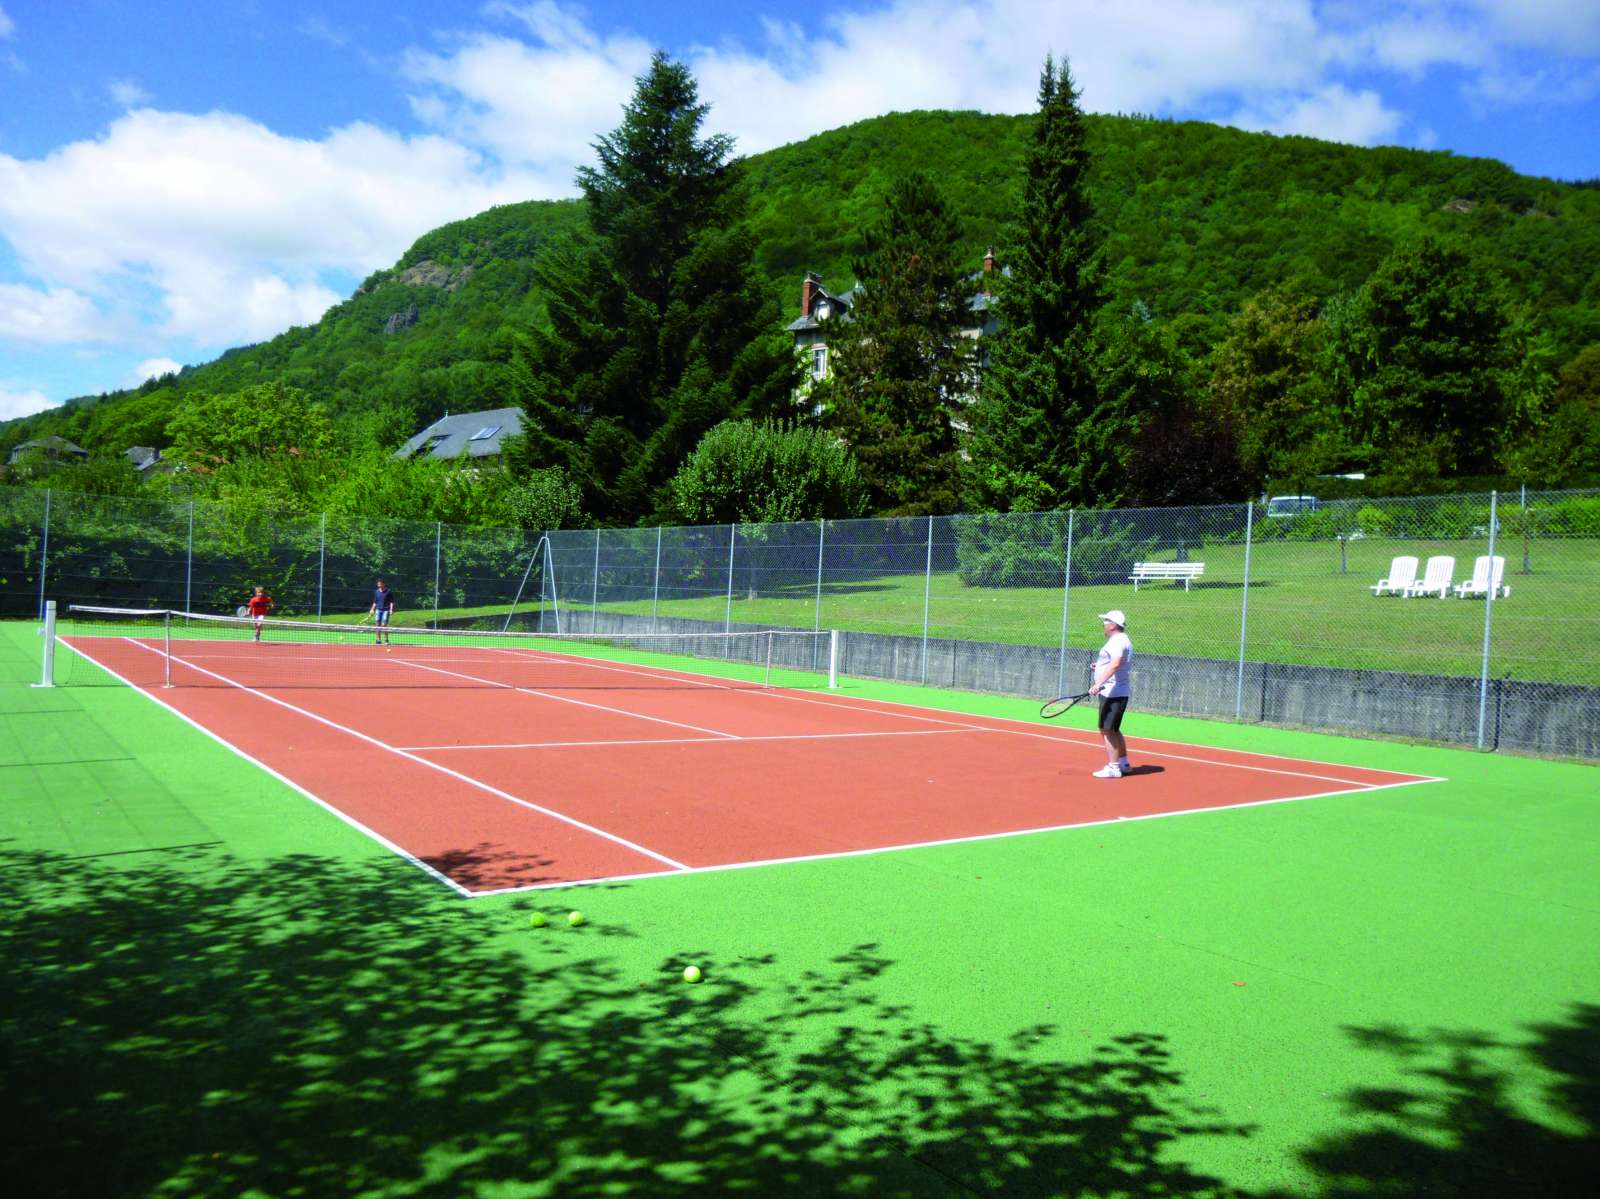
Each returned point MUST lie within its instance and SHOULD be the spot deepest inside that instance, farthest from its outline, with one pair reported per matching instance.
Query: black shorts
(1111, 710)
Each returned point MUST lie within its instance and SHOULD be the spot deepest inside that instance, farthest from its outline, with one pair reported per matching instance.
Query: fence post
(822, 533)
(44, 552)
(1527, 569)
(1244, 608)
(927, 592)
(594, 588)
(438, 546)
(727, 620)
(655, 594)
(1488, 616)
(188, 567)
(322, 561)
(1066, 599)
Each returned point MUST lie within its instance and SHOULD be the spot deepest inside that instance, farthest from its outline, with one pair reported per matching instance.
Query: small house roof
(480, 434)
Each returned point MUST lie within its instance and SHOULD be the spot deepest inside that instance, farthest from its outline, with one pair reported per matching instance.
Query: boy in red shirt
(259, 604)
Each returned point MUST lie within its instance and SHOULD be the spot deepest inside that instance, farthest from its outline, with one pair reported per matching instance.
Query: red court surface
(498, 770)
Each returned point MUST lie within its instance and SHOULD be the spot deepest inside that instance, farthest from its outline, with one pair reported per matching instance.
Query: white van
(1291, 505)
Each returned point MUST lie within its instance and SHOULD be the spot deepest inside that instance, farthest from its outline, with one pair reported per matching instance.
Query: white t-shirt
(1116, 645)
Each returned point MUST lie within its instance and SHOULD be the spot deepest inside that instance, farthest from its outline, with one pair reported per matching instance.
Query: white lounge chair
(1402, 573)
(1488, 576)
(1436, 577)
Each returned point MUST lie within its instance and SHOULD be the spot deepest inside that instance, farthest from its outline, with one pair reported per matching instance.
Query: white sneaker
(1108, 772)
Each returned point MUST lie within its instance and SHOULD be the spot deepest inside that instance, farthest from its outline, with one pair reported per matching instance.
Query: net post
(766, 680)
(47, 678)
(833, 659)
(166, 625)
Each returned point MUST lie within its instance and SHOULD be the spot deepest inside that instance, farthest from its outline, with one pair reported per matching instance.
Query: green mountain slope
(1198, 218)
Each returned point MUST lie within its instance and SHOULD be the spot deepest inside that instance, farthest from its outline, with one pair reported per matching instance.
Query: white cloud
(538, 106)
(1333, 113)
(154, 368)
(48, 316)
(1566, 26)
(231, 227)
(323, 30)
(126, 93)
(7, 26)
(22, 403)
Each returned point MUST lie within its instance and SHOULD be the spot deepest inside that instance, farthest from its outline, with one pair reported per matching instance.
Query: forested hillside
(1196, 222)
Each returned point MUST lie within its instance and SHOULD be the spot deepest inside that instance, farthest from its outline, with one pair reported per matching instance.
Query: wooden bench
(1146, 572)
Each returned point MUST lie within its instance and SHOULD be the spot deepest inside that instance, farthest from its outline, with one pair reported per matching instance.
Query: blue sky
(177, 178)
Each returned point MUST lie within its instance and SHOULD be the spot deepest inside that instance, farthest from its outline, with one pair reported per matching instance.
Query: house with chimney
(819, 307)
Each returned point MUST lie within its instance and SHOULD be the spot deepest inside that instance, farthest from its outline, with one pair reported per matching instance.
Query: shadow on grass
(1458, 1129)
(191, 1025)
(186, 1024)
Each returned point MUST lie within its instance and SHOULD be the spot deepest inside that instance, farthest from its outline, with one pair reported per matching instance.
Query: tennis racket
(241, 612)
(1057, 706)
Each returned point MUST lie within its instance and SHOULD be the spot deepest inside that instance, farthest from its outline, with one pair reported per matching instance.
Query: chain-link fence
(1468, 619)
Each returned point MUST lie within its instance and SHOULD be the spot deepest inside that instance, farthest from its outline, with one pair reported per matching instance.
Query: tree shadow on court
(188, 1024)
(1462, 1124)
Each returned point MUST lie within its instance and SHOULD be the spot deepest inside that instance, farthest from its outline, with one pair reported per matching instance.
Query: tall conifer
(1030, 445)
(660, 324)
(901, 367)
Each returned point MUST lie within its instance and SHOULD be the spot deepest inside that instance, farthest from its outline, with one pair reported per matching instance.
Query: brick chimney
(808, 292)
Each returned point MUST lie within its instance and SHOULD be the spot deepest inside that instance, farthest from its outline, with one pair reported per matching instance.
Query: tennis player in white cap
(1113, 669)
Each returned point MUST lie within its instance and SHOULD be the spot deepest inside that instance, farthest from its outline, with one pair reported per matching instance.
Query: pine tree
(901, 367)
(660, 324)
(1031, 445)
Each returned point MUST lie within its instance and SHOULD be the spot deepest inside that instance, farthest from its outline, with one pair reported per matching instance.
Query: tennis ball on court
(574, 918)
(691, 974)
(536, 920)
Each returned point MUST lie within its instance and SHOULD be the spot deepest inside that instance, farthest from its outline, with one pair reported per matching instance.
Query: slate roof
(479, 433)
(53, 446)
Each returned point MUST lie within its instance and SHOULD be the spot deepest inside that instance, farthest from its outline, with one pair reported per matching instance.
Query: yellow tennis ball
(536, 920)
(691, 974)
(574, 918)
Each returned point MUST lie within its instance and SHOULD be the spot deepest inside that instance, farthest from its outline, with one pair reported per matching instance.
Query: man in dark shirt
(382, 610)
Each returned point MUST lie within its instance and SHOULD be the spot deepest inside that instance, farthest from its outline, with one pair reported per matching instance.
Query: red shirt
(258, 604)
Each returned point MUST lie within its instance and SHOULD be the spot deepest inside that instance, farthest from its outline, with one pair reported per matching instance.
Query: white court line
(705, 740)
(288, 782)
(582, 703)
(1026, 729)
(410, 757)
(862, 853)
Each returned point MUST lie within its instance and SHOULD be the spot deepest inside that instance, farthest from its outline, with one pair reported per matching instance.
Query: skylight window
(485, 433)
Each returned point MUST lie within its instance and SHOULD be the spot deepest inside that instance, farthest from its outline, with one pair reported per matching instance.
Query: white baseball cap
(1116, 617)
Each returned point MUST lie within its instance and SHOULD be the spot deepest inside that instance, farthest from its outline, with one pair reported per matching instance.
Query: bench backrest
(1441, 567)
(1169, 568)
(1402, 570)
(1481, 571)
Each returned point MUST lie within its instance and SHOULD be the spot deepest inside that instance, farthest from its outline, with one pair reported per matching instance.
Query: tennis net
(162, 647)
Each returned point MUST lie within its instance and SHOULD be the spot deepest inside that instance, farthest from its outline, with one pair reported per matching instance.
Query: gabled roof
(478, 433)
(53, 446)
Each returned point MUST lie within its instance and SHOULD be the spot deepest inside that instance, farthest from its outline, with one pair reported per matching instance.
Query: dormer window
(823, 311)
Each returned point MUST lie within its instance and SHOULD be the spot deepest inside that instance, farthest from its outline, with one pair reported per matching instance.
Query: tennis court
(514, 762)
